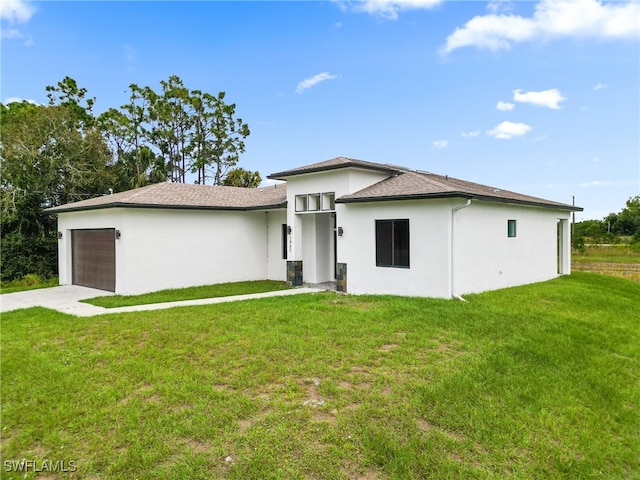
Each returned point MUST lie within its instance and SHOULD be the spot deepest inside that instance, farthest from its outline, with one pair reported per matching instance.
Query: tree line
(623, 226)
(62, 152)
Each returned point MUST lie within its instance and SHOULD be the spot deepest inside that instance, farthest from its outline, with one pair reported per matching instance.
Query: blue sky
(538, 97)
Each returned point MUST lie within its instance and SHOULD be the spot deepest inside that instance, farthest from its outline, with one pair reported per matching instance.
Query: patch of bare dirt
(182, 408)
(138, 392)
(196, 446)
(153, 399)
(313, 398)
(246, 423)
(388, 347)
(325, 417)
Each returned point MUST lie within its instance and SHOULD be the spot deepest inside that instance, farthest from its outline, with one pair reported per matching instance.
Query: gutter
(451, 252)
(486, 198)
(71, 208)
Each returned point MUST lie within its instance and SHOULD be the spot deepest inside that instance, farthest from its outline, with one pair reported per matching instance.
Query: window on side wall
(392, 243)
(511, 228)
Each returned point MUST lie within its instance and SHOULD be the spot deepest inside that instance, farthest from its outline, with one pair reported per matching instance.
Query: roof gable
(338, 163)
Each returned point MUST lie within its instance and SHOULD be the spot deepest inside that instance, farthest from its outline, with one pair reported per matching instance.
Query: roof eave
(465, 195)
(57, 210)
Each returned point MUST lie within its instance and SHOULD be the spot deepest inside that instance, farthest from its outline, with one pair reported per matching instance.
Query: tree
(170, 121)
(629, 218)
(50, 155)
(239, 177)
(186, 131)
(218, 137)
(68, 94)
(136, 164)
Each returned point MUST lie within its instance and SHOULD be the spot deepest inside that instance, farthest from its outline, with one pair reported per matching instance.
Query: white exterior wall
(341, 181)
(487, 259)
(276, 265)
(164, 248)
(429, 227)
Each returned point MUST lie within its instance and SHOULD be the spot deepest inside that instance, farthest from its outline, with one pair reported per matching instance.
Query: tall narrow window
(511, 228)
(392, 243)
(284, 241)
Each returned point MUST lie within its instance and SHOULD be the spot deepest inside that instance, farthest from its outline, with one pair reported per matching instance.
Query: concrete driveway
(66, 299)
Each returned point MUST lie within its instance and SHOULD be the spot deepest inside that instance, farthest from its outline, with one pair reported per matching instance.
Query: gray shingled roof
(181, 195)
(416, 185)
(402, 184)
(336, 163)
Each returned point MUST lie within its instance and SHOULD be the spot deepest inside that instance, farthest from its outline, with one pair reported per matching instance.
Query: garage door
(94, 258)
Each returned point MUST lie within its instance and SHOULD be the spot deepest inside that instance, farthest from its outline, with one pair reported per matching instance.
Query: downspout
(451, 269)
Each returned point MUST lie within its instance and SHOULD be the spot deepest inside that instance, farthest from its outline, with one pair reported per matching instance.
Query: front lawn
(541, 381)
(191, 293)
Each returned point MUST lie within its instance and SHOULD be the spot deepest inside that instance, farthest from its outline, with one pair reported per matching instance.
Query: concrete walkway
(66, 299)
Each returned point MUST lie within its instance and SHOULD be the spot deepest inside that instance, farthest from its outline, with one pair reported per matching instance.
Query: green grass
(192, 293)
(29, 282)
(541, 381)
(610, 254)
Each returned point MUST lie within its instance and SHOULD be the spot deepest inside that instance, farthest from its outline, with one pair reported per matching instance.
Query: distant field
(617, 260)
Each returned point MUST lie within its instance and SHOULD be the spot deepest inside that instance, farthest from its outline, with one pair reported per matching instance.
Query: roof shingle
(181, 195)
(414, 185)
(336, 163)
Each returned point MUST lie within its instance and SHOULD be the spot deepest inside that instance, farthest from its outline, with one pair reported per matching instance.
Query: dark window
(511, 228)
(284, 241)
(392, 243)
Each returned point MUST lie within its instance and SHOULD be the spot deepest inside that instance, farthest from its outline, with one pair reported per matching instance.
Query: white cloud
(545, 98)
(441, 143)
(551, 19)
(508, 130)
(505, 106)
(539, 139)
(9, 33)
(496, 6)
(474, 133)
(312, 81)
(389, 8)
(16, 11)
(600, 86)
(9, 100)
(596, 183)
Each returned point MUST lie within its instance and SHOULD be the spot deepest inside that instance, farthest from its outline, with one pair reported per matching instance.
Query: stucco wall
(341, 181)
(276, 265)
(487, 259)
(163, 248)
(429, 226)
(484, 257)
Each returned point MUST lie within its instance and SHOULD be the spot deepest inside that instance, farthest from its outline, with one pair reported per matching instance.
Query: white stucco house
(372, 228)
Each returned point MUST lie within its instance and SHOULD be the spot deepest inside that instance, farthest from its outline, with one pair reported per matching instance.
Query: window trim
(328, 201)
(313, 202)
(301, 203)
(394, 223)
